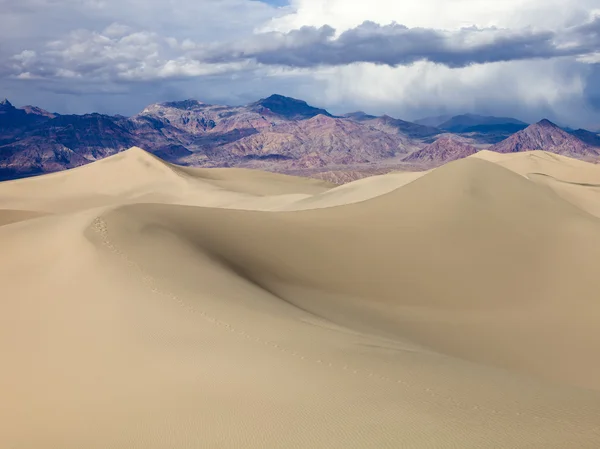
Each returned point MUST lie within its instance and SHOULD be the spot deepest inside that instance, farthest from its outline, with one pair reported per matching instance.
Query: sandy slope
(574, 180)
(150, 306)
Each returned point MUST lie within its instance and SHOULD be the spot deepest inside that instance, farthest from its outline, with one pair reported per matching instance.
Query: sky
(529, 59)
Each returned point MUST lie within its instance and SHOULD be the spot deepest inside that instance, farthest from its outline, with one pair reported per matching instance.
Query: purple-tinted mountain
(504, 128)
(316, 142)
(14, 119)
(34, 110)
(478, 128)
(589, 137)
(483, 129)
(288, 108)
(65, 141)
(199, 119)
(444, 149)
(274, 130)
(463, 123)
(94, 136)
(359, 116)
(276, 133)
(175, 130)
(434, 121)
(193, 133)
(546, 136)
(393, 125)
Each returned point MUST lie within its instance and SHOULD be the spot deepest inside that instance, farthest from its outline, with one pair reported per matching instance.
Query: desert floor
(145, 305)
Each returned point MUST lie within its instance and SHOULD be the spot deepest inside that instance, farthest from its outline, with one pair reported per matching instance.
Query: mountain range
(276, 133)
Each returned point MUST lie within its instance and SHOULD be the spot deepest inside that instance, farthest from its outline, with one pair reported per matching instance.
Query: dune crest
(179, 307)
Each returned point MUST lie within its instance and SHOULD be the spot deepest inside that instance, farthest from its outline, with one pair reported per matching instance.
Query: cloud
(115, 55)
(115, 41)
(396, 45)
(437, 14)
(530, 58)
(120, 54)
(563, 89)
(529, 90)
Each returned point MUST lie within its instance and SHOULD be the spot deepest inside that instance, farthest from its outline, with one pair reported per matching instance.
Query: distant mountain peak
(547, 123)
(282, 98)
(288, 107)
(433, 121)
(183, 104)
(442, 150)
(6, 103)
(547, 136)
(359, 115)
(588, 137)
(34, 110)
(390, 124)
(464, 122)
(322, 118)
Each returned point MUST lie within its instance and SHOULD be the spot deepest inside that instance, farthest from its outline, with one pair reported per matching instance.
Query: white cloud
(592, 58)
(441, 14)
(426, 88)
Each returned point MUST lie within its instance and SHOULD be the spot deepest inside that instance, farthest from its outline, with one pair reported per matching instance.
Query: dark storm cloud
(396, 45)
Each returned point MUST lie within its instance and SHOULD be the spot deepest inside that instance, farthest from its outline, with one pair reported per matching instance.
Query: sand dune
(8, 216)
(354, 192)
(555, 165)
(574, 180)
(153, 306)
(136, 176)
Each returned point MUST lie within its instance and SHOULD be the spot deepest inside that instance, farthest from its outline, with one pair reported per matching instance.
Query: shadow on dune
(471, 260)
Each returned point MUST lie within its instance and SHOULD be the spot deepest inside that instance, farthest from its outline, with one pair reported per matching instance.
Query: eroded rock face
(396, 126)
(275, 133)
(546, 136)
(589, 137)
(444, 149)
(57, 143)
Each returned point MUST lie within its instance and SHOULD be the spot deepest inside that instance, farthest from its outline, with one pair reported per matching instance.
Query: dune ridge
(177, 307)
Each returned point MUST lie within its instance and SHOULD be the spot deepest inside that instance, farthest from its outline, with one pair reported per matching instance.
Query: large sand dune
(146, 305)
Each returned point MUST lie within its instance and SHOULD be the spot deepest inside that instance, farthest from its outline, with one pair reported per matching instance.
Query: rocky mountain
(589, 137)
(546, 136)
(316, 142)
(65, 141)
(506, 128)
(34, 110)
(483, 129)
(444, 149)
(288, 108)
(462, 123)
(14, 120)
(359, 116)
(434, 121)
(277, 132)
(480, 129)
(491, 134)
(393, 125)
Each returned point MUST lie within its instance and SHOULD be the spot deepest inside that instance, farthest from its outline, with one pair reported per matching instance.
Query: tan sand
(576, 181)
(354, 192)
(161, 307)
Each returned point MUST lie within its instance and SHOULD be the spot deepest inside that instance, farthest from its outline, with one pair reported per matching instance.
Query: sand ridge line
(100, 226)
(573, 183)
